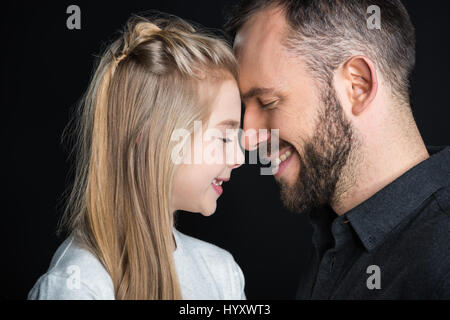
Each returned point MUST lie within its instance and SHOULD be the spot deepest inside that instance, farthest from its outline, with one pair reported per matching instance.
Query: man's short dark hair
(328, 32)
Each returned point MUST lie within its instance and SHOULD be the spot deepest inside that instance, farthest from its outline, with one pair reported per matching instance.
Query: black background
(45, 70)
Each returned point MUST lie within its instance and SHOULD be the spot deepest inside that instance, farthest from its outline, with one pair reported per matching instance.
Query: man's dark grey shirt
(395, 245)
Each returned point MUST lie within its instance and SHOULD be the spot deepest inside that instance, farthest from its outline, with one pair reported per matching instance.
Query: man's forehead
(258, 49)
(263, 30)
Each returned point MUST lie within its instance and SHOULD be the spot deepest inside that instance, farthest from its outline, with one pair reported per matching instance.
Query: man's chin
(287, 184)
(290, 195)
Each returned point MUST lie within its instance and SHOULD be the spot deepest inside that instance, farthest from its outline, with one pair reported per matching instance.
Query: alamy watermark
(73, 282)
(374, 281)
(74, 20)
(374, 20)
(214, 146)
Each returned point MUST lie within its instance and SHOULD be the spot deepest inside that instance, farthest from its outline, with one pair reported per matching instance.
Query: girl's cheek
(211, 152)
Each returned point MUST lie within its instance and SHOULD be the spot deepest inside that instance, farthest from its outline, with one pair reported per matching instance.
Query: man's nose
(255, 129)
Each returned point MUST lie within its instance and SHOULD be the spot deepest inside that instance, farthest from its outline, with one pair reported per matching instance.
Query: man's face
(279, 93)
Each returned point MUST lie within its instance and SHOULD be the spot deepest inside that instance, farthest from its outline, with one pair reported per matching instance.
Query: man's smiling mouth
(280, 161)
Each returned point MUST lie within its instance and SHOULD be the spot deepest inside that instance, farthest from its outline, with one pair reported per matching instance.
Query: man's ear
(362, 83)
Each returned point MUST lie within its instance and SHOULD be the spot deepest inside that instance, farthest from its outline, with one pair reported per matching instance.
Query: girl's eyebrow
(228, 123)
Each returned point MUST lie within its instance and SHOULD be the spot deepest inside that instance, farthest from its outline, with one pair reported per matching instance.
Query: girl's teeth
(217, 183)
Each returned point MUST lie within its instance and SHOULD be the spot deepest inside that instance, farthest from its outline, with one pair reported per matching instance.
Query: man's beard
(322, 158)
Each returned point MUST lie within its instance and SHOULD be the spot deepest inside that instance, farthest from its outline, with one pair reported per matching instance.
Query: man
(351, 155)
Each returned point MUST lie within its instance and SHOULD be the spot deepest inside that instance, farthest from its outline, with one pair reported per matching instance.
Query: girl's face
(214, 154)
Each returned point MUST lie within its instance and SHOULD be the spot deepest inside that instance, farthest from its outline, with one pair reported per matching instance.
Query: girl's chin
(209, 211)
(206, 214)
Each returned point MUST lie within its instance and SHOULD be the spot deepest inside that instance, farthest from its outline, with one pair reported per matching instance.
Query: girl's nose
(239, 158)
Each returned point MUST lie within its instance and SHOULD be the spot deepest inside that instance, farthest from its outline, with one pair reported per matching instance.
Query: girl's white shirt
(205, 272)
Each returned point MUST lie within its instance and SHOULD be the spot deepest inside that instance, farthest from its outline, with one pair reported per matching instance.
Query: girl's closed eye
(226, 140)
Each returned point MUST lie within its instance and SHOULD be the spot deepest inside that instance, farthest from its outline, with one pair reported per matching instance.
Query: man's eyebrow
(256, 91)
(228, 123)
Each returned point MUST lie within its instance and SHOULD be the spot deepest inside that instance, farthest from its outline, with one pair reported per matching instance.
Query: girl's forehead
(226, 106)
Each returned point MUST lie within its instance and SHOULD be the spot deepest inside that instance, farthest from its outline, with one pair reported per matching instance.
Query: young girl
(160, 76)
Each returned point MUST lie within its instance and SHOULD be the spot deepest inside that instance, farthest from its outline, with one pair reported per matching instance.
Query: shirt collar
(376, 217)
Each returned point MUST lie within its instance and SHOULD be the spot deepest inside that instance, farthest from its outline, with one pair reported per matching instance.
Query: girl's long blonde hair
(146, 85)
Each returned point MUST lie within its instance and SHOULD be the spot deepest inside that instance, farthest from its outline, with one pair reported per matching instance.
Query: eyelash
(267, 105)
(225, 140)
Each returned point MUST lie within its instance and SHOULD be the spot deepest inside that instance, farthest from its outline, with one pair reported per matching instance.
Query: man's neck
(378, 166)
